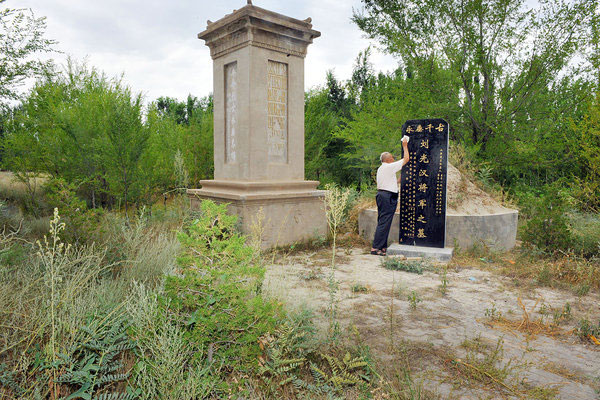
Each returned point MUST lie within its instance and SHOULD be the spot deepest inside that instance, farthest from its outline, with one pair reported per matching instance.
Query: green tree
(87, 129)
(389, 101)
(320, 122)
(123, 146)
(186, 127)
(21, 39)
(502, 53)
(587, 134)
(328, 108)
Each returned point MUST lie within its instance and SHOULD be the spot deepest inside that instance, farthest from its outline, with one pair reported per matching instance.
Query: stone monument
(423, 191)
(258, 88)
(423, 184)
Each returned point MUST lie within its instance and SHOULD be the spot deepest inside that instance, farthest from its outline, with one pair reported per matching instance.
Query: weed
(257, 229)
(414, 299)
(583, 289)
(492, 313)
(291, 359)
(311, 274)
(167, 366)
(587, 330)
(485, 365)
(398, 379)
(336, 204)
(347, 371)
(562, 315)
(398, 264)
(93, 362)
(544, 276)
(391, 312)
(531, 327)
(359, 288)
(444, 280)
(286, 350)
(8, 380)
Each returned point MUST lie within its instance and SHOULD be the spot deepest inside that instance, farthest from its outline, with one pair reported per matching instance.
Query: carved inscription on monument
(423, 184)
(277, 95)
(230, 112)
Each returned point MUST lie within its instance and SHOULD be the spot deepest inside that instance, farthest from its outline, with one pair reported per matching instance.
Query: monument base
(282, 212)
(496, 231)
(439, 254)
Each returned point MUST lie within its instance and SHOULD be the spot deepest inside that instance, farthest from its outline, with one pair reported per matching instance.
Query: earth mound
(465, 198)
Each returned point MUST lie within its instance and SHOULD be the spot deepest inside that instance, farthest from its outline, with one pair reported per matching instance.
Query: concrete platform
(496, 231)
(435, 253)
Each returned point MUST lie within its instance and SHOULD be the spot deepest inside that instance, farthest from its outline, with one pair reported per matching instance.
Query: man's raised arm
(405, 148)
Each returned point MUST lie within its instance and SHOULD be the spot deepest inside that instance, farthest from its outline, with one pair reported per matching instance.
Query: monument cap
(255, 26)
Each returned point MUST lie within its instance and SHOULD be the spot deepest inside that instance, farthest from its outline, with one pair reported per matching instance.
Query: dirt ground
(480, 310)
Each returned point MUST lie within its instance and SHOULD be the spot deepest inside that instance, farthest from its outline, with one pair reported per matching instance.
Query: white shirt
(386, 176)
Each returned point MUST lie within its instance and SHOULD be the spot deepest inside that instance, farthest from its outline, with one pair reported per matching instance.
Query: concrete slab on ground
(436, 253)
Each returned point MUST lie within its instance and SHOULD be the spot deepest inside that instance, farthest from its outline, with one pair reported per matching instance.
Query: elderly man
(387, 197)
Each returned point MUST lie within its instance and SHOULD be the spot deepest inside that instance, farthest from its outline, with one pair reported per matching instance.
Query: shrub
(216, 296)
(585, 228)
(83, 223)
(554, 226)
(166, 366)
(548, 228)
(586, 328)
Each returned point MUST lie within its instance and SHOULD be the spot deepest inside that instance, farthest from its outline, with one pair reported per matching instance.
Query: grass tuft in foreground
(398, 264)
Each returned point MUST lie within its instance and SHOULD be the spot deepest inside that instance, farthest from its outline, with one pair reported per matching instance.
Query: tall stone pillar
(258, 77)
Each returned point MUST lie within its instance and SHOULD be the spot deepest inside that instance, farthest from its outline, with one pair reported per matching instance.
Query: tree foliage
(21, 38)
(94, 133)
(502, 53)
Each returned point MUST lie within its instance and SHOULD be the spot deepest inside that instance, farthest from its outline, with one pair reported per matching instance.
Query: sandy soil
(443, 322)
(465, 198)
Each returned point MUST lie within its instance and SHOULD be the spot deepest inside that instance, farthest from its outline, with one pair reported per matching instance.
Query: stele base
(442, 255)
(283, 212)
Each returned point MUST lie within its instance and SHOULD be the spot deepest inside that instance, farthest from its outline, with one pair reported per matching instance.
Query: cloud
(154, 42)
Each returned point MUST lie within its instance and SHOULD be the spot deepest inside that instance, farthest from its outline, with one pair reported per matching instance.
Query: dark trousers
(386, 207)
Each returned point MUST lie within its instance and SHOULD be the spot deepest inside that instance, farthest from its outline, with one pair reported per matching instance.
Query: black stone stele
(423, 184)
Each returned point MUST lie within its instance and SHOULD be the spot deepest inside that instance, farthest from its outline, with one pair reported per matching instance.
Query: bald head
(386, 157)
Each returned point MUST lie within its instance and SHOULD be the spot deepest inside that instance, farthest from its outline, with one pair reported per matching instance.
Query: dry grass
(10, 185)
(527, 325)
(363, 203)
(530, 269)
(484, 366)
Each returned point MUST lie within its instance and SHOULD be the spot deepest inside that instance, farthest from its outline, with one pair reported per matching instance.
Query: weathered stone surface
(284, 212)
(498, 231)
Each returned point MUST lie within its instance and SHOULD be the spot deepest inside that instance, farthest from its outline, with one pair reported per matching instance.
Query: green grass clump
(398, 264)
(586, 328)
(359, 288)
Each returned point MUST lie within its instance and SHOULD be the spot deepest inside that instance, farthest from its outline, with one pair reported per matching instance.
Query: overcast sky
(154, 42)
